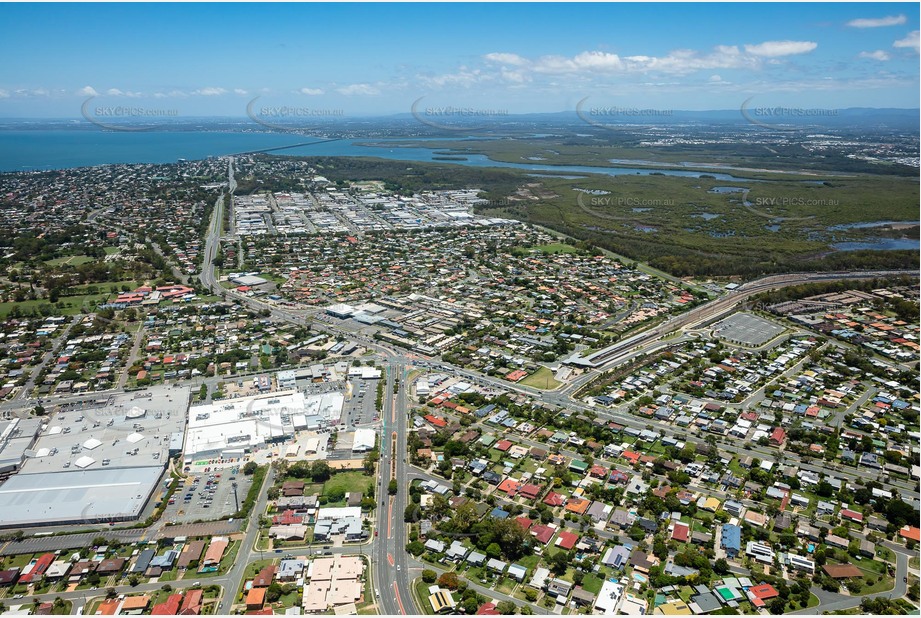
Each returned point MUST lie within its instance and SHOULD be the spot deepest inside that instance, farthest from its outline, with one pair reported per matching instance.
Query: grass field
(71, 305)
(348, 482)
(422, 593)
(592, 583)
(542, 379)
(557, 247)
(70, 260)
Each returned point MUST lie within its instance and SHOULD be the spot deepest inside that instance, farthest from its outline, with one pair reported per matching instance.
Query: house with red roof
(255, 598)
(529, 491)
(680, 532)
(516, 375)
(910, 532)
(487, 609)
(578, 505)
(36, 570)
(509, 486)
(192, 603)
(553, 499)
(597, 471)
(567, 540)
(436, 421)
(265, 577)
(778, 436)
(503, 445)
(852, 515)
(542, 533)
(170, 607)
(524, 522)
(764, 591)
(631, 456)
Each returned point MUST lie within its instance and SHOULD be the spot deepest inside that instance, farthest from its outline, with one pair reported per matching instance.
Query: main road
(391, 562)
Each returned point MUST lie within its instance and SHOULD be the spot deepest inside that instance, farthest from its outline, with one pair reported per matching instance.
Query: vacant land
(542, 378)
(342, 483)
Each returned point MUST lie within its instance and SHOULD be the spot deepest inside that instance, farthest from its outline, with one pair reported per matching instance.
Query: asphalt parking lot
(747, 329)
(361, 409)
(207, 495)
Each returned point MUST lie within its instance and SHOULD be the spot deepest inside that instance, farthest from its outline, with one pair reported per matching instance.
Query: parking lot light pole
(236, 500)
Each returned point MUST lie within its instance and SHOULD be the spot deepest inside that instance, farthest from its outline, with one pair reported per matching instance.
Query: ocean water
(24, 150)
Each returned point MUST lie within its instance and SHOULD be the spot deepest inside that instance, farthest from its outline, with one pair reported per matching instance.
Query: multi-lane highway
(392, 564)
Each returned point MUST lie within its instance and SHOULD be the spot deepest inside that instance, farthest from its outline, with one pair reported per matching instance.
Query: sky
(381, 59)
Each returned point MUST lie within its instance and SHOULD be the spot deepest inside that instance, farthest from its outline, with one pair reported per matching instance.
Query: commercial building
(364, 440)
(99, 463)
(17, 436)
(229, 428)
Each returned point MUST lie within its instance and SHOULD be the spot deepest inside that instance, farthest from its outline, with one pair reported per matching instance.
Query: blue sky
(370, 59)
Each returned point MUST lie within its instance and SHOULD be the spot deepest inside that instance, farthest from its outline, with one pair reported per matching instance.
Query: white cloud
(240, 91)
(4, 94)
(209, 92)
(877, 22)
(506, 58)
(911, 40)
(312, 91)
(358, 89)
(463, 78)
(676, 62)
(773, 49)
(715, 78)
(875, 55)
(172, 94)
(115, 92)
(88, 91)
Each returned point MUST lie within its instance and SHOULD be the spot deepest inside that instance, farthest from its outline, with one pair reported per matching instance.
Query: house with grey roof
(496, 565)
(456, 552)
(517, 572)
(435, 545)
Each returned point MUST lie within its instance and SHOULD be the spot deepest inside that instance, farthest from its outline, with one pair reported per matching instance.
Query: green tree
(415, 548)
(273, 593)
(320, 471)
(429, 576)
(449, 580)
